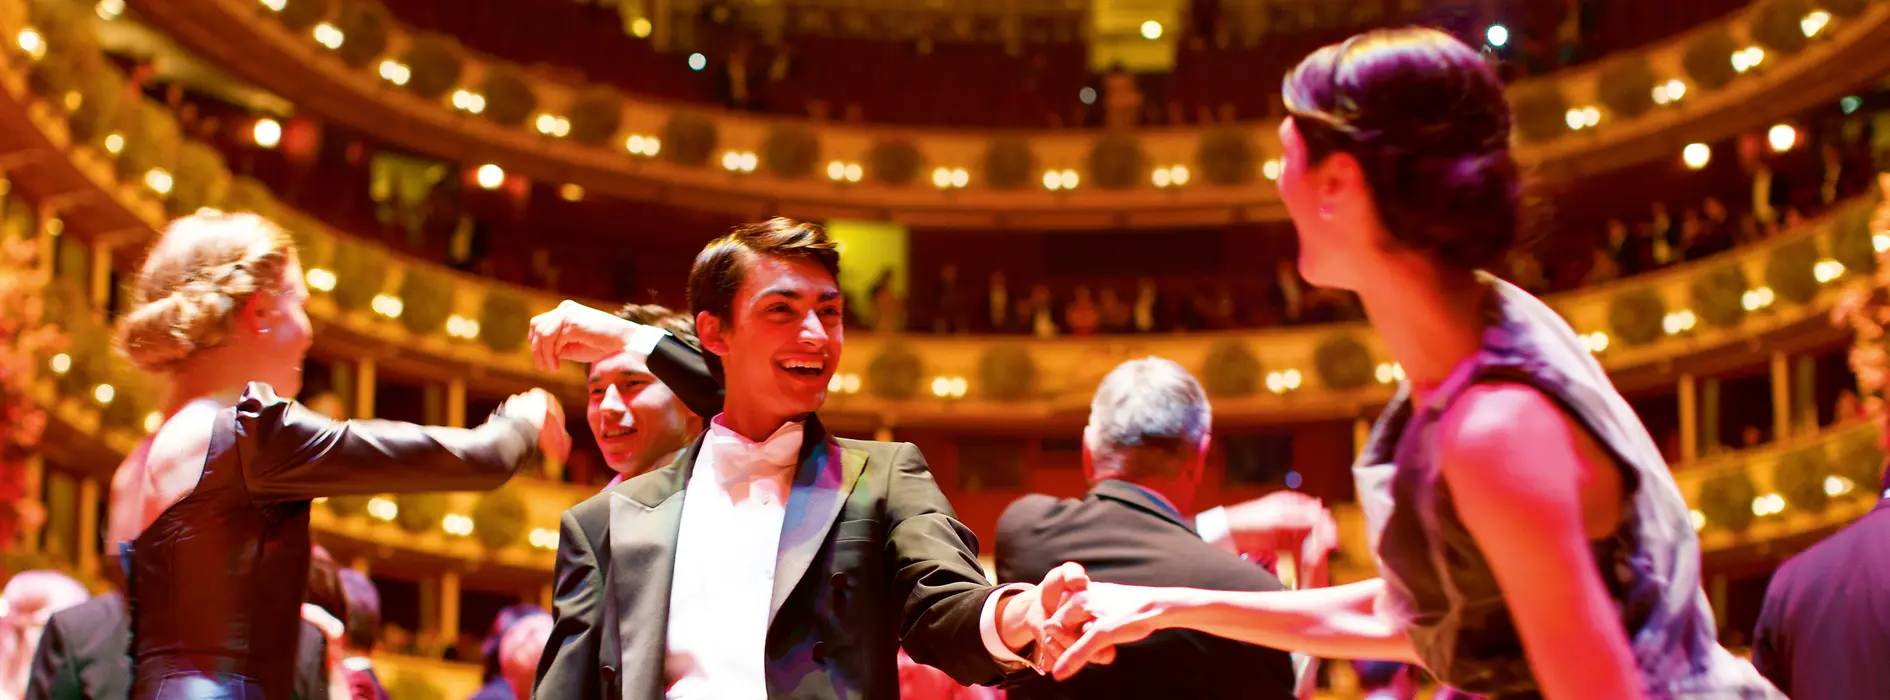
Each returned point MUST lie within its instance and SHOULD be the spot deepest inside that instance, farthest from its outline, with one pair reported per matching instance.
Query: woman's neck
(195, 383)
(1431, 321)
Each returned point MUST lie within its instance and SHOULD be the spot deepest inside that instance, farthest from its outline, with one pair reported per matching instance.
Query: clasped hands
(1076, 621)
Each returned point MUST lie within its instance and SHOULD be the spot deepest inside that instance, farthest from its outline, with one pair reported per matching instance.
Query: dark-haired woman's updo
(1426, 119)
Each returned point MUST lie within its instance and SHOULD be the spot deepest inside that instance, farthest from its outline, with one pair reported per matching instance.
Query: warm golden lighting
(396, 72)
(1271, 169)
(275, 5)
(1670, 91)
(1757, 298)
(1388, 372)
(1781, 137)
(1768, 504)
(159, 180)
(643, 145)
(1814, 22)
(640, 28)
(320, 280)
(109, 10)
(387, 305)
(1747, 58)
(267, 132)
(952, 387)
(1677, 322)
(1698, 519)
(457, 525)
(553, 125)
(329, 35)
(461, 327)
(1284, 381)
(1151, 30)
(469, 101)
(1596, 342)
(1826, 270)
(571, 192)
(542, 538)
(1696, 155)
(382, 509)
(103, 394)
(489, 176)
(60, 363)
(114, 143)
(32, 43)
(153, 421)
(1837, 486)
(739, 161)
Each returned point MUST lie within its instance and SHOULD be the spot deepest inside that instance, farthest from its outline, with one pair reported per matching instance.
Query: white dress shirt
(733, 508)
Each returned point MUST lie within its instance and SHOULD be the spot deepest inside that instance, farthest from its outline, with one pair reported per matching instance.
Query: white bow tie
(734, 452)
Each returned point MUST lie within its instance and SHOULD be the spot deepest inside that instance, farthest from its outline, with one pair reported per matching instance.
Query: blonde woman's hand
(543, 411)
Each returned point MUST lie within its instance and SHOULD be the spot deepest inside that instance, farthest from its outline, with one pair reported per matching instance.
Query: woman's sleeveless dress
(216, 582)
(1440, 587)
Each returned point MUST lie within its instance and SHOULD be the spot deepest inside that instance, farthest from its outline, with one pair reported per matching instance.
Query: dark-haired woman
(1530, 538)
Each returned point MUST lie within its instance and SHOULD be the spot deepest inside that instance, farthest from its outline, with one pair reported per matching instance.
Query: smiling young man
(639, 422)
(769, 559)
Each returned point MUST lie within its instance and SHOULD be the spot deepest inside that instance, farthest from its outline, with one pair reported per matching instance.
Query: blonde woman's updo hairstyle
(194, 280)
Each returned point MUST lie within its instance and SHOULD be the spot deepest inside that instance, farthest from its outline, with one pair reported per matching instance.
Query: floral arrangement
(24, 338)
(1865, 309)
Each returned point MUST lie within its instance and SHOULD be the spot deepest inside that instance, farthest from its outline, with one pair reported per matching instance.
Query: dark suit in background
(85, 654)
(1824, 632)
(1122, 533)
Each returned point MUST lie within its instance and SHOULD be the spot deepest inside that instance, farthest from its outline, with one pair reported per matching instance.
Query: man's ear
(1200, 460)
(709, 332)
(1089, 459)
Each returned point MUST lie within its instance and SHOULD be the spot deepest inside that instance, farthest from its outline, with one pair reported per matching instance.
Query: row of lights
(553, 125)
(455, 524)
(950, 178)
(949, 387)
(1283, 381)
(1176, 175)
(844, 383)
(643, 145)
(739, 161)
(388, 305)
(1781, 138)
(1773, 504)
(1065, 179)
(845, 171)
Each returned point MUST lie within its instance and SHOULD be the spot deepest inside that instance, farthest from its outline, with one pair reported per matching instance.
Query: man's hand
(1091, 622)
(1282, 521)
(577, 333)
(1022, 616)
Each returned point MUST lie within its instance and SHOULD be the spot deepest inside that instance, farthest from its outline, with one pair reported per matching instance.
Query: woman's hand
(543, 411)
(1092, 622)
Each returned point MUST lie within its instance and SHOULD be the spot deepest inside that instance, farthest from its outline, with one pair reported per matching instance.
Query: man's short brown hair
(678, 324)
(722, 265)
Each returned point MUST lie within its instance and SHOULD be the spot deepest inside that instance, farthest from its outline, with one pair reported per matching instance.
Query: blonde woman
(216, 531)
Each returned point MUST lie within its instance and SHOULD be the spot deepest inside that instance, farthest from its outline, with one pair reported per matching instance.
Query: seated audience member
(1386, 680)
(520, 650)
(496, 687)
(27, 603)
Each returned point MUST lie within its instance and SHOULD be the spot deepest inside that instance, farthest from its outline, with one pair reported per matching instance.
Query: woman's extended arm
(291, 453)
(1531, 487)
(1339, 622)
